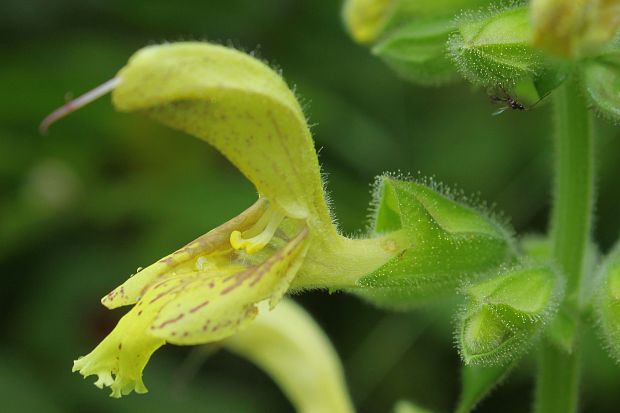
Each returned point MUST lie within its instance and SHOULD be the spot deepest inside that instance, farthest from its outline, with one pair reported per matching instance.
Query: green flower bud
(417, 52)
(504, 314)
(607, 303)
(602, 83)
(367, 20)
(449, 242)
(491, 50)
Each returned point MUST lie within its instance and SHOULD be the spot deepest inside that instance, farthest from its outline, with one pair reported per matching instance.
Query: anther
(265, 228)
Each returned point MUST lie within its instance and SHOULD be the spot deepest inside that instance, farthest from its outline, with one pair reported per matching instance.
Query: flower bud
(491, 50)
(367, 20)
(417, 52)
(448, 242)
(503, 314)
(572, 28)
(607, 302)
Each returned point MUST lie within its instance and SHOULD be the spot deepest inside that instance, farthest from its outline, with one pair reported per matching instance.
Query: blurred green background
(104, 193)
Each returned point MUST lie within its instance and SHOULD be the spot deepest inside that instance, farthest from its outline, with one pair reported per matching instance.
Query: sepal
(449, 242)
(607, 302)
(369, 20)
(417, 52)
(504, 314)
(601, 78)
(478, 382)
(493, 49)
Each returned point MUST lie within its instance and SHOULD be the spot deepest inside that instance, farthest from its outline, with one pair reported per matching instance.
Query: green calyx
(492, 50)
(607, 302)
(417, 52)
(369, 20)
(504, 314)
(449, 242)
(601, 78)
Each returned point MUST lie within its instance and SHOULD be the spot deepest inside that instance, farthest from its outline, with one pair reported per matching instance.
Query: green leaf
(449, 242)
(417, 52)
(478, 382)
(503, 315)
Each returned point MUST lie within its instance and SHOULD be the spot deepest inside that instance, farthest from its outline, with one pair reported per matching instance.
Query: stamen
(265, 228)
(78, 102)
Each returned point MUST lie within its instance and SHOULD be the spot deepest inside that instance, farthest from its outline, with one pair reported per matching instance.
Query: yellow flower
(572, 28)
(288, 336)
(209, 289)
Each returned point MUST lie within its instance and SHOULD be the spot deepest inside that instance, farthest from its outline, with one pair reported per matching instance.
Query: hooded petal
(241, 107)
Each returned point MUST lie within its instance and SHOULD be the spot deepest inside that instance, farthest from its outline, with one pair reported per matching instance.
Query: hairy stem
(558, 371)
(574, 185)
(557, 387)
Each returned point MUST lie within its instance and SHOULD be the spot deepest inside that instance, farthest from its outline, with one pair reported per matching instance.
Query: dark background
(104, 193)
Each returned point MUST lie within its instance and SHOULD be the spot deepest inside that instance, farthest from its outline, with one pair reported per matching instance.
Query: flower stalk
(558, 376)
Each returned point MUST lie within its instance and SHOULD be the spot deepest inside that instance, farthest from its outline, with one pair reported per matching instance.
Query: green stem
(558, 375)
(574, 184)
(557, 386)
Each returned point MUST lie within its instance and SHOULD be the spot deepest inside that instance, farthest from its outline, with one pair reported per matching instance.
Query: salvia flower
(422, 243)
(209, 289)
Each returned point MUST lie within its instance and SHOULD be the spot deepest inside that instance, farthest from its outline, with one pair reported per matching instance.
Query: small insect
(510, 102)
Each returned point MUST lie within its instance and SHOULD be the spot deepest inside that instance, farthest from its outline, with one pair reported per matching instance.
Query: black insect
(512, 103)
(509, 101)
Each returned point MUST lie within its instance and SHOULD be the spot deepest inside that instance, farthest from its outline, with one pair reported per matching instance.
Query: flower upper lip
(247, 112)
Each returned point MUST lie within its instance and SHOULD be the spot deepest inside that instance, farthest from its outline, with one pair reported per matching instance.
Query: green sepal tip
(449, 242)
(504, 314)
